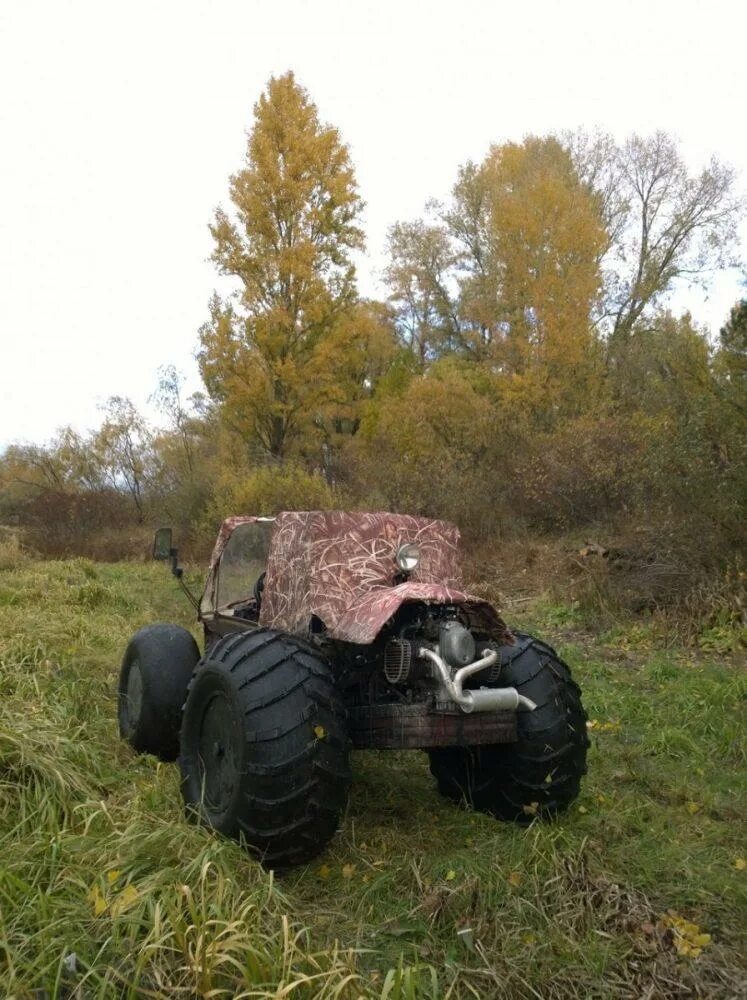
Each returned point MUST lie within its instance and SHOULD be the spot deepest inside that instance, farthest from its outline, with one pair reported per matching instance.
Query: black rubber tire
(540, 774)
(157, 665)
(265, 748)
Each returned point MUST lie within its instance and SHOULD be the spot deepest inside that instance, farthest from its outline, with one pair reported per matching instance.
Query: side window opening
(243, 562)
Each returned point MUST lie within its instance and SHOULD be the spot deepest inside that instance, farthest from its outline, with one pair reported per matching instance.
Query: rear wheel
(540, 774)
(265, 750)
(153, 680)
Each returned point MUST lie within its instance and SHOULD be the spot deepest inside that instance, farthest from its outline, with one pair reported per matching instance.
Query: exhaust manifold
(483, 699)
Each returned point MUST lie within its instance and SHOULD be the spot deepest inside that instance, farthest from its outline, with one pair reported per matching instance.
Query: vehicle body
(326, 630)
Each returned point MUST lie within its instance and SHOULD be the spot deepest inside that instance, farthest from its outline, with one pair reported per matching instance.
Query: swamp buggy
(326, 631)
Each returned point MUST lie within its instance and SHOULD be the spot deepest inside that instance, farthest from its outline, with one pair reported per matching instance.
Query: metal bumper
(419, 726)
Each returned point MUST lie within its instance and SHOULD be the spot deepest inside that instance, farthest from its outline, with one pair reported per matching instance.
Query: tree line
(523, 372)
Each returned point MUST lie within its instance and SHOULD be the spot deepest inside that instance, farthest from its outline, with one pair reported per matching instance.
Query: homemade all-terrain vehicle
(326, 631)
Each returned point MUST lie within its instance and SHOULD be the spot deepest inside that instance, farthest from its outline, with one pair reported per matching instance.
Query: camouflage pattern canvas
(340, 567)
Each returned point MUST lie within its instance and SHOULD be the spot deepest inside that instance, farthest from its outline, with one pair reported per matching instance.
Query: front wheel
(265, 748)
(540, 774)
(156, 668)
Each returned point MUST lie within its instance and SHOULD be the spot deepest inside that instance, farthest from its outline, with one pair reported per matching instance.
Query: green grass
(106, 891)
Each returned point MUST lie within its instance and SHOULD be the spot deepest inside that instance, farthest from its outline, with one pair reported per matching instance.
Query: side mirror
(164, 551)
(162, 544)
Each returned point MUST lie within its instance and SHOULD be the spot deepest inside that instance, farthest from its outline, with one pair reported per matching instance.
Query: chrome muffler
(482, 699)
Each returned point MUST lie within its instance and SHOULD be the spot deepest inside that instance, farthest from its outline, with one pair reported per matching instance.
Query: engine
(441, 629)
(428, 682)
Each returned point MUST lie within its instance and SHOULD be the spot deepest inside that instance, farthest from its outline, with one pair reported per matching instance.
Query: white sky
(121, 122)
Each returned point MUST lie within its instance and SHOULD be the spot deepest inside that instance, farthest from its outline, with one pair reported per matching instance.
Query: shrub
(265, 490)
(586, 470)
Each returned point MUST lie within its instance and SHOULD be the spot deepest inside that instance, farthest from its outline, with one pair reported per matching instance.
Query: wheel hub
(134, 700)
(217, 754)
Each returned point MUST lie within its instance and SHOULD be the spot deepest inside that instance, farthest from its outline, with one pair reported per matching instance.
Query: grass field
(106, 891)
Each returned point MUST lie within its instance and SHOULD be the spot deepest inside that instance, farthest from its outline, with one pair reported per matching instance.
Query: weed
(727, 638)
(12, 553)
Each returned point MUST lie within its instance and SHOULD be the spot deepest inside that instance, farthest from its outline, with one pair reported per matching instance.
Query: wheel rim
(217, 754)
(134, 694)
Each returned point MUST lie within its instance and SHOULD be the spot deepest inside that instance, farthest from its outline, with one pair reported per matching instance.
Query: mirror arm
(178, 572)
(191, 597)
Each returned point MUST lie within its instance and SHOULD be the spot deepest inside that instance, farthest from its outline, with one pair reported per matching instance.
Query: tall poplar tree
(529, 237)
(264, 354)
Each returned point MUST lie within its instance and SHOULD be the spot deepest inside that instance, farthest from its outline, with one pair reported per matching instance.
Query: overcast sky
(121, 122)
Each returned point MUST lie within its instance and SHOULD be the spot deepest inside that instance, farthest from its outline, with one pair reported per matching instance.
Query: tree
(469, 222)
(66, 464)
(733, 348)
(123, 447)
(664, 369)
(664, 222)
(432, 446)
(289, 244)
(184, 454)
(419, 274)
(531, 237)
(169, 399)
(359, 352)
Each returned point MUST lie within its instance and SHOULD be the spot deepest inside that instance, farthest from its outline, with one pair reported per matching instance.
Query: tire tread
(510, 781)
(284, 689)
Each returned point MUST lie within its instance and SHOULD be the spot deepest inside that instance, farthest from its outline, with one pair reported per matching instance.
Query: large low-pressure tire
(153, 680)
(265, 749)
(540, 774)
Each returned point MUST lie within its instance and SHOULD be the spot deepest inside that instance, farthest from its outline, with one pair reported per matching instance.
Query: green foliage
(723, 638)
(733, 341)
(266, 490)
(427, 446)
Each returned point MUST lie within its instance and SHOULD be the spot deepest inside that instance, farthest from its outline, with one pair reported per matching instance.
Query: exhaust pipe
(482, 700)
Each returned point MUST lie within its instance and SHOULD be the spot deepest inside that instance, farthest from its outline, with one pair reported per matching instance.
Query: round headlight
(408, 557)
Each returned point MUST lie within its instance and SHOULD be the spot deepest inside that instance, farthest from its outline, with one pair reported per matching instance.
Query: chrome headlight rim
(408, 557)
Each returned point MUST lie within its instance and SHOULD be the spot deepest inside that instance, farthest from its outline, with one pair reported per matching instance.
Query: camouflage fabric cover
(340, 567)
